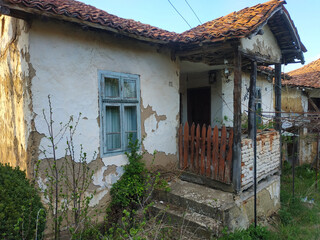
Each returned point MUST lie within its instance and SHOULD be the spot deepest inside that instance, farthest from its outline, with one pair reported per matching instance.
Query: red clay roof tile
(306, 76)
(88, 13)
(235, 25)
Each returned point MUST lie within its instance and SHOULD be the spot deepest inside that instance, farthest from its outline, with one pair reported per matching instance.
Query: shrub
(22, 215)
(131, 197)
(131, 187)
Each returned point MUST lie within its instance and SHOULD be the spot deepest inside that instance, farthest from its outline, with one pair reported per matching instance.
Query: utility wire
(193, 11)
(179, 14)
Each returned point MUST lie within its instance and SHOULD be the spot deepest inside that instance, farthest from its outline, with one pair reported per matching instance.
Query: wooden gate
(207, 152)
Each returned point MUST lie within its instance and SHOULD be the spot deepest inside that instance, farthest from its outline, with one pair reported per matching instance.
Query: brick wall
(268, 157)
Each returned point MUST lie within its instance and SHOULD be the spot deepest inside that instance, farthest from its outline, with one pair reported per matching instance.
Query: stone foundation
(268, 202)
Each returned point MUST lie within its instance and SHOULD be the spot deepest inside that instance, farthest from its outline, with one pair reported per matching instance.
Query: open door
(199, 105)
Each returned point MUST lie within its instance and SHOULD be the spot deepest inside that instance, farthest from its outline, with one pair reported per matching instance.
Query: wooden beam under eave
(236, 165)
(252, 100)
(205, 49)
(258, 58)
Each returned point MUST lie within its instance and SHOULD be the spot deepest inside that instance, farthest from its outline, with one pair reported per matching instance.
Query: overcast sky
(304, 13)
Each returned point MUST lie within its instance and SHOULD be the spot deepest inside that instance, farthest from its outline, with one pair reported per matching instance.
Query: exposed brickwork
(268, 157)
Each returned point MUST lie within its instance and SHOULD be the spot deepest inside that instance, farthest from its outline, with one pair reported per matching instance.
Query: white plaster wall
(265, 45)
(67, 60)
(267, 97)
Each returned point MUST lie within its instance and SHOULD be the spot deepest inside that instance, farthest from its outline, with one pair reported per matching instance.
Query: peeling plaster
(274, 191)
(159, 78)
(264, 45)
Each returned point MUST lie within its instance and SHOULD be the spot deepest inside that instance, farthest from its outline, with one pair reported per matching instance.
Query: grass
(296, 219)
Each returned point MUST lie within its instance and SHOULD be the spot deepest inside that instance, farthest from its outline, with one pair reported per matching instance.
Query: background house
(300, 98)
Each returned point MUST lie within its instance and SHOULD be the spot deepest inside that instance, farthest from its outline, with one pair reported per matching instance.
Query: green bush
(22, 215)
(131, 187)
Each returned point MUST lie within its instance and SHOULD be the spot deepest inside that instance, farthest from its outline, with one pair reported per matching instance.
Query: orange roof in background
(235, 25)
(306, 76)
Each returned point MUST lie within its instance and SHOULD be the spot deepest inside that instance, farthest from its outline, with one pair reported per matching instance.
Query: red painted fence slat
(186, 145)
(215, 152)
(202, 151)
(227, 173)
(208, 162)
(222, 153)
(180, 146)
(192, 145)
(197, 148)
(203, 147)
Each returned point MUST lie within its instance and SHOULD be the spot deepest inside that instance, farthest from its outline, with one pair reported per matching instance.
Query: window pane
(130, 123)
(113, 132)
(111, 87)
(113, 141)
(129, 88)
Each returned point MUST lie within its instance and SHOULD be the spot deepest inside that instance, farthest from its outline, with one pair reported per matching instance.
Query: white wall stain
(265, 45)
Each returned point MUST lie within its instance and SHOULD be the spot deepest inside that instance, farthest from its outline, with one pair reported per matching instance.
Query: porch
(217, 115)
(206, 154)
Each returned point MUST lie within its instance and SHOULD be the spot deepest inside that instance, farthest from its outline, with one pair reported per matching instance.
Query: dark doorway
(199, 105)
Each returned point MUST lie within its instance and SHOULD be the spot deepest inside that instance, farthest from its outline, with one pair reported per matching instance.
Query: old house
(128, 77)
(301, 100)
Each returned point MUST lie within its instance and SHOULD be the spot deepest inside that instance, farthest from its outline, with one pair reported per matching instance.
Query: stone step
(198, 225)
(200, 199)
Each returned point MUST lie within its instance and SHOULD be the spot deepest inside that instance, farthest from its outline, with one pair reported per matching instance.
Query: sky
(159, 13)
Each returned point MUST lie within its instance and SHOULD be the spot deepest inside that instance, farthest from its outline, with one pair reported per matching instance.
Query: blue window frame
(119, 95)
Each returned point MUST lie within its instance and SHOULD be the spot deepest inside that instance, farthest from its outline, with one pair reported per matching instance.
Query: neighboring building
(125, 76)
(301, 95)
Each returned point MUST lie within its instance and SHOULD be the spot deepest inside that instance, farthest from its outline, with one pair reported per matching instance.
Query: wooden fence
(208, 154)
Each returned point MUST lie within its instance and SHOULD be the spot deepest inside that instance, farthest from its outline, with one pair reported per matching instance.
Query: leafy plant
(131, 197)
(131, 187)
(137, 183)
(22, 215)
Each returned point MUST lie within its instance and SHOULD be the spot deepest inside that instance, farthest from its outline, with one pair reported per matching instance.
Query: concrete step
(199, 199)
(198, 225)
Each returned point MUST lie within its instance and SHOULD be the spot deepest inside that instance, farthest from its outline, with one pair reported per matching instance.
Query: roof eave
(14, 10)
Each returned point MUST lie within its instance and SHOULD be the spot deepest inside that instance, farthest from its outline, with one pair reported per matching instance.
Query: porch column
(252, 100)
(277, 90)
(236, 165)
